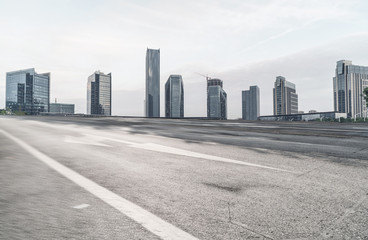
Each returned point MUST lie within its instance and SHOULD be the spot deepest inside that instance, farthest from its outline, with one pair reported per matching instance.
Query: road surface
(136, 178)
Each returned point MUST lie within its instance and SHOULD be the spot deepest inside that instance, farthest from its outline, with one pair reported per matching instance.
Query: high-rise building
(250, 103)
(348, 84)
(99, 94)
(216, 99)
(174, 97)
(285, 99)
(28, 91)
(152, 101)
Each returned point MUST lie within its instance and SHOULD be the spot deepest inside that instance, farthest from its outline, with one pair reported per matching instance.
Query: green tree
(365, 95)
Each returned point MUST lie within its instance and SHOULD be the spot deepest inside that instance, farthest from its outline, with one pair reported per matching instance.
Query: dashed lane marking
(81, 206)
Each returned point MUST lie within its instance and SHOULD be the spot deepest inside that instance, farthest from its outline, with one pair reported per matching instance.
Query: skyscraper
(99, 94)
(152, 101)
(349, 83)
(285, 99)
(250, 103)
(174, 97)
(28, 91)
(216, 99)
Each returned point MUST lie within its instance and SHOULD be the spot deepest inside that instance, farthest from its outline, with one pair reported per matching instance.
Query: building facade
(304, 116)
(152, 100)
(99, 94)
(285, 99)
(348, 84)
(28, 91)
(251, 103)
(61, 108)
(216, 99)
(174, 97)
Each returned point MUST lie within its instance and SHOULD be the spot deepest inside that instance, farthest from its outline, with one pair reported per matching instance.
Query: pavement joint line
(151, 222)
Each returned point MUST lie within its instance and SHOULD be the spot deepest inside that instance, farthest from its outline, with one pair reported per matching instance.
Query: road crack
(239, 224)
(348, 212)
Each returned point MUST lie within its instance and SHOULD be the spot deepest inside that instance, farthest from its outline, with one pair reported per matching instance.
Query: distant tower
(349, 83)
(174, 97)
(216, 99)
(99, 94)
(250, 103)
(28, 91)
(152, 100)
(285, 99)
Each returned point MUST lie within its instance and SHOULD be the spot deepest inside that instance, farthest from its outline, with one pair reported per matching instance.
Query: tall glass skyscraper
(216, 100)
(285, 99)
(174, 97)
(348, 84)
(28, 91)
(152, 101)
(99, 94)
(250, 103)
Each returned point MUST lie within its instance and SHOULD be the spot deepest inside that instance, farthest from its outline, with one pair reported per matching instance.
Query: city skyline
(302, 43)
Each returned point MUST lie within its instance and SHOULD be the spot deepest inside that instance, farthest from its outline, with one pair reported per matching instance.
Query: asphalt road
(135, 178)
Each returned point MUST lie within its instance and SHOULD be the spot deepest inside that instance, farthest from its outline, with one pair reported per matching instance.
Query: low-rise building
(62, 108)
(304, 116)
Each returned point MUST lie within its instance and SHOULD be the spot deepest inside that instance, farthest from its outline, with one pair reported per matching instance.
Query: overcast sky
(242, 42)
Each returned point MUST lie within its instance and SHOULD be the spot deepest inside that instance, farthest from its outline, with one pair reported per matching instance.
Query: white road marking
(152, 223)
(177, 151)
(85, 141)
(81, 206)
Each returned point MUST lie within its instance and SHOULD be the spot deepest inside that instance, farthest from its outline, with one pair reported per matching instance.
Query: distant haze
(243, 43)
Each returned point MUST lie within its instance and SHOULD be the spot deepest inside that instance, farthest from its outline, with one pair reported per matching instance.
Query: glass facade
(99, 94)
(216, 100)
(285, 99)
(174, 97)
(251, 103)
(349, 83)
(28, 91)
(152, 100)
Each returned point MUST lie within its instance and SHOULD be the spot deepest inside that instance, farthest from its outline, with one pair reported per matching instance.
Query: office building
(61, 108)
(99, 94)
(174, 97)
(28, 91)
(285, 99)
(348, 84)
(216, 99)
(152, 100)
(250, 103)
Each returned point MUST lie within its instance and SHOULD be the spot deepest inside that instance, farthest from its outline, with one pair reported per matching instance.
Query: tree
(365, 95)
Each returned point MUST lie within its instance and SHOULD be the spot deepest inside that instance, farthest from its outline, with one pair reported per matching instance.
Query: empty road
(136, 178)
